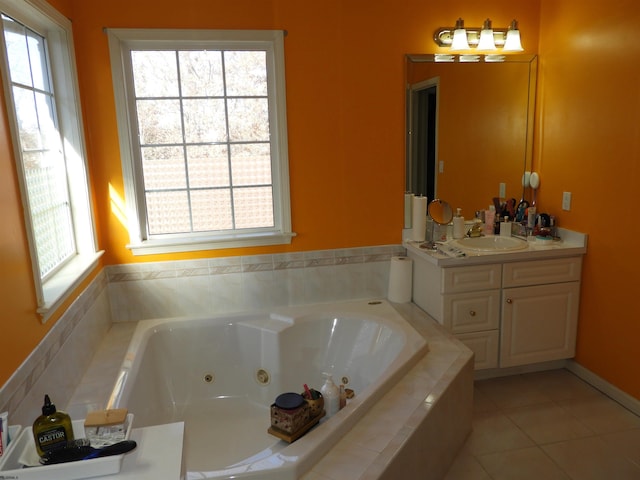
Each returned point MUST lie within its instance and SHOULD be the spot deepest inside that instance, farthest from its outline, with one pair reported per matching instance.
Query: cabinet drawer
(484, 346)
(473, 278)
(541, 272)
(472, 312)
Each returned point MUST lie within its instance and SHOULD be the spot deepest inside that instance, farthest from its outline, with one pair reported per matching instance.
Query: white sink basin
(491, 243)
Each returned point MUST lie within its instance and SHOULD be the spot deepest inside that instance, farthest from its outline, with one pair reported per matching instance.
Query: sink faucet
(475, 230)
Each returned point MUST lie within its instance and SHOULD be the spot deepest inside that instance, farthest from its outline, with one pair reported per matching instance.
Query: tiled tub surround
(164, 289)
(232, 284)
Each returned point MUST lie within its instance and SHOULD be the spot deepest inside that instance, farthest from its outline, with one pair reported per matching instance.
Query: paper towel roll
(400, 280)
(419, 216)
(408, 208)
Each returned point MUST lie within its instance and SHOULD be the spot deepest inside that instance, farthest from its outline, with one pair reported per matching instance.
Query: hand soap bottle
(458, 225)
(331, 396)
(53, 429)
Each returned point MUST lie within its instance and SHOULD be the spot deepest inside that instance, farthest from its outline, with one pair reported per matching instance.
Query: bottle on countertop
(331, 396)
(458, 224)
(53, 429)
(343, 396)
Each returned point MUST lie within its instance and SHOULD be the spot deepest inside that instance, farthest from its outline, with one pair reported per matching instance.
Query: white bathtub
(220, 375)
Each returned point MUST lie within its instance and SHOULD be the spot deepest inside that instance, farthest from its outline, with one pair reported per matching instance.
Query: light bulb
(512, 42)
(460, 41)
(486, 37)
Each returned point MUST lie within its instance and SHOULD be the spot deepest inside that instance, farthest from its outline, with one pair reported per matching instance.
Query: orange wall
(589, 144)
(345, 96)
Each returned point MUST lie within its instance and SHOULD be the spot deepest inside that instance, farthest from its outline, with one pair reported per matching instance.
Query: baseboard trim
(623, 398)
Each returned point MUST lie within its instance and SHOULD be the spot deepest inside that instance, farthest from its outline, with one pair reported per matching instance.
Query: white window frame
(41, 17)
(121, 43)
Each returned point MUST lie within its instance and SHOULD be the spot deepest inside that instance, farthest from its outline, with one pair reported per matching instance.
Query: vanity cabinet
(508, 313)
(539, 311)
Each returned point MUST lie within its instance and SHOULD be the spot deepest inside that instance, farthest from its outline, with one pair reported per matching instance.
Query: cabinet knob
(472, 313)
(509, 300)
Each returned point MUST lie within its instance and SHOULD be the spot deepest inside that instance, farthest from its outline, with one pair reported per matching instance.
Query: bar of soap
(106, 427)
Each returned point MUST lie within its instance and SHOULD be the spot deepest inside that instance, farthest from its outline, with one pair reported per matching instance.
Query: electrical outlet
(566, 201)
(503, 190)
(441, 166)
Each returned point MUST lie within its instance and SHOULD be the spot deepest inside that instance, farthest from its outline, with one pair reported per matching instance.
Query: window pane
(159, 122)
(168, 212)
(163, 168)
(246, 74)
(37, 58)
(208, 166)
(219, 119)
(211, 210)
(42, 157)
(249, 120)
(201, 74)
(251, 164)
(49, 206)
(156, 74)
(253, 207)
(204, 121)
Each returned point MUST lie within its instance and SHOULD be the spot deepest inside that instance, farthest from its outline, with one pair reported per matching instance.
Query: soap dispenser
(53, 429)
(331, 396)
(458, 224)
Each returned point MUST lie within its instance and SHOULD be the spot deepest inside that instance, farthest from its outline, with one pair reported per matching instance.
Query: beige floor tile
(510, 392)
(547, 423)
(482, 402)
(591, 459)
(466, 467)
(524, 464)
(627, 443)
(494, 432)
(560, 384)
(601, 414)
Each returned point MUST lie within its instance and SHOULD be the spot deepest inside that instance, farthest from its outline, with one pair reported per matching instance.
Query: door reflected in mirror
(469, 128)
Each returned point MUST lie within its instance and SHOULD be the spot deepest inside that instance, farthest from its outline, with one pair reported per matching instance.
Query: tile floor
(548, 426)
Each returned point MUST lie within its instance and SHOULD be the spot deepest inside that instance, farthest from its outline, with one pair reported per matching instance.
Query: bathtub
(220, 375)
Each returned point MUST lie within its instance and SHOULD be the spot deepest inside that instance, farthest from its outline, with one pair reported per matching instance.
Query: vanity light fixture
(461, 38)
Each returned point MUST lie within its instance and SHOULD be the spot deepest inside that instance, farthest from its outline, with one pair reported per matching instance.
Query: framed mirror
(469, 128)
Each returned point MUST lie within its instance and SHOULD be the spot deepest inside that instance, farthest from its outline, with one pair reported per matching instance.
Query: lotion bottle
(331, 396)
(458, 224)
(53, 429)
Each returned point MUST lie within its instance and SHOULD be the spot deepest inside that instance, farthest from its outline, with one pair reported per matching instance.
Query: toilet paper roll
(408, 208)
(400, 280)
(419, 217)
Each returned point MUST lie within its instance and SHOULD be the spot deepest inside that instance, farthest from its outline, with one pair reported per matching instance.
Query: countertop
(570, 244)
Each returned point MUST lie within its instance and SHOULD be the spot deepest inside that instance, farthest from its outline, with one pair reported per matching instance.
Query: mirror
(469, 129)
(440, 212)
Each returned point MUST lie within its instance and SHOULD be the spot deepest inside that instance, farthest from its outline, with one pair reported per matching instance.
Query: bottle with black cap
(53, 429)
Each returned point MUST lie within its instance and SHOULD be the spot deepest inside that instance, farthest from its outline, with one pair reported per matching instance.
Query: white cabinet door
(539, 323)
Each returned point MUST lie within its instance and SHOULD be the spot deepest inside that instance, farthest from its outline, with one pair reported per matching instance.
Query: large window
(40, 86)
(203, 138)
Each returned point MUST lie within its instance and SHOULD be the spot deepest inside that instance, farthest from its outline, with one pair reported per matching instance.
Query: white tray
(14, 431)
(24, 447)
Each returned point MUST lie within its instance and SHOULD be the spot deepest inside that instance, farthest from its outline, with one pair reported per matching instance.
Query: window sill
(58, 288)
(151, 247)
